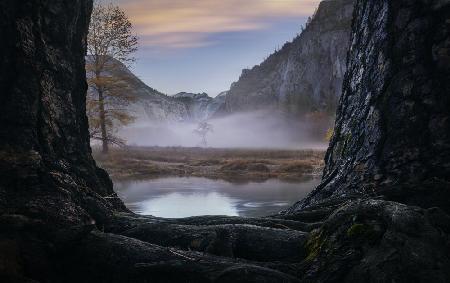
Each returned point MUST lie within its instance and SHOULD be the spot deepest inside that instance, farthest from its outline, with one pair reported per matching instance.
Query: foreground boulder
(381, 214)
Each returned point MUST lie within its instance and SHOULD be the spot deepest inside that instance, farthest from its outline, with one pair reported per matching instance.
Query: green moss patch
(314, 245)
(360, 231)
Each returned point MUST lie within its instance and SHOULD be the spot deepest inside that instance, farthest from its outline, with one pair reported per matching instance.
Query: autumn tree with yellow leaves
(111, 43)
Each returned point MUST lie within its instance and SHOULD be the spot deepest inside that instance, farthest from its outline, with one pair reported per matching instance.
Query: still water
(183, 197)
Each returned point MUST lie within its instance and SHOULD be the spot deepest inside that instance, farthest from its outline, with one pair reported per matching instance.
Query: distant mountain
(196, 104)
(216, 104)
(201, 106)
(305, 75)
(152, 105)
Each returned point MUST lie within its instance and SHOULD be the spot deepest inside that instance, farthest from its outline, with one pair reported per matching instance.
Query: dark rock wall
(44, 141)
(392, 134)
(304, 75)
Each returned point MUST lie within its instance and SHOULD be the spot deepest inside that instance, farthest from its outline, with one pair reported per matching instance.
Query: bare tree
(203, 128)
(111, 43)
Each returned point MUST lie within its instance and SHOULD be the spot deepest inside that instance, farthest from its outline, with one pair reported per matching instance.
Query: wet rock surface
(384, 221)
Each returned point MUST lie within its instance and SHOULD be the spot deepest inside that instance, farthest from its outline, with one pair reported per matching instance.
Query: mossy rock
(364, 232)
(314, 245)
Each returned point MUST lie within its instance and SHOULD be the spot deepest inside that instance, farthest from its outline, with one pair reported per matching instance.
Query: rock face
(200, 106)
(150, 105)
(305, 75)
(217, 104)
(60, 220)
(392, 134)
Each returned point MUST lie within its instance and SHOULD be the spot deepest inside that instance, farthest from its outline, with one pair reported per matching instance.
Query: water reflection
(176, 205)
(183, 197)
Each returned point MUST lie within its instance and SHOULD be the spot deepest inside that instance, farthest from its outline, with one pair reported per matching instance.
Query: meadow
(228, 164)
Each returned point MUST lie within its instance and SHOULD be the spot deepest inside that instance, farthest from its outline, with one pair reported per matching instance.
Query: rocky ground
(227, 164)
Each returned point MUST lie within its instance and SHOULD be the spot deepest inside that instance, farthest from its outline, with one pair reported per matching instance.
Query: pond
(178, 197)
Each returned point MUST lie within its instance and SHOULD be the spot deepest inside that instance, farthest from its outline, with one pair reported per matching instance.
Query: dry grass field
(228, 164)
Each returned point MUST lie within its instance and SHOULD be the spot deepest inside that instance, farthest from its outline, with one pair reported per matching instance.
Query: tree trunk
(392, 127)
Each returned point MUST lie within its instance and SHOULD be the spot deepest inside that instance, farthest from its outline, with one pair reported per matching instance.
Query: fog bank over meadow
(244, 130)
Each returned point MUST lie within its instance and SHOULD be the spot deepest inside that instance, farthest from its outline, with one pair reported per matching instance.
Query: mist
(244, 130)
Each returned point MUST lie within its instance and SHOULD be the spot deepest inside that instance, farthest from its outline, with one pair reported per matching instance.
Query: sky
(203, 45)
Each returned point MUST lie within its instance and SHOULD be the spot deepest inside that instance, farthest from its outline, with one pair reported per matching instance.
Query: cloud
(176, 40)
(190, 23)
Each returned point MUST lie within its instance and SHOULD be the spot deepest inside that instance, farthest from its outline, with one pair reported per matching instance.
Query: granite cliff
(305, 75)
(152, 106)
(60, 220)
(200, 106)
